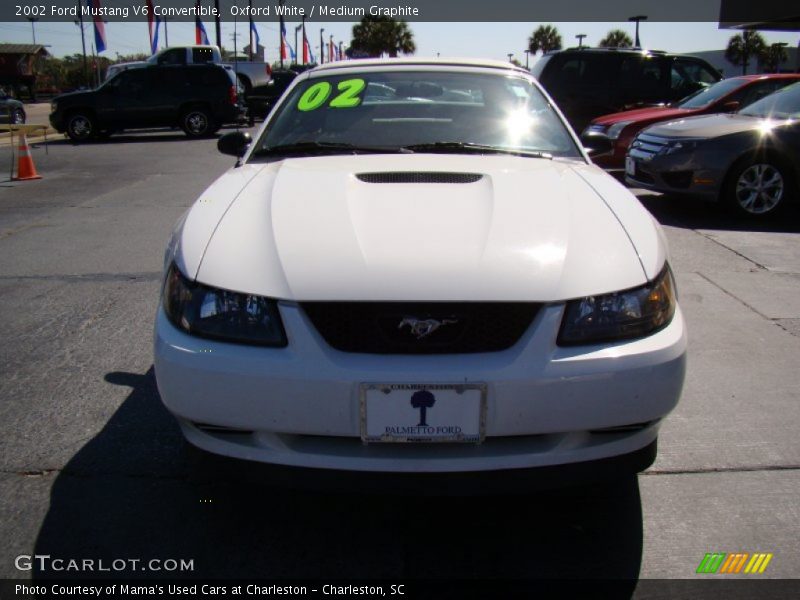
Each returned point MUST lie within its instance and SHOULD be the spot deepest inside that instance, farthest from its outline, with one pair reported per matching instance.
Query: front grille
(647, 146)
(643, 176)
(419, 177)
(421, 327)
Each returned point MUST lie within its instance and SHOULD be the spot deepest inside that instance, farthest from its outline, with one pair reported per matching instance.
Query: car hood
(311, 229)
(643, 114)
(706, 126)
(77, 95)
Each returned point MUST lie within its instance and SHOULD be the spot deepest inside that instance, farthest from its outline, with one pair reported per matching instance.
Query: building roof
(22, 49)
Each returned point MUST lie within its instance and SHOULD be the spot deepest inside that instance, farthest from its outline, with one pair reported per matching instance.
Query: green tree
(51, 73)
(73, 71)
(772, 57)
(616, 38)
(743, 46)
(378, 35)
(137, 57)
(546, 38)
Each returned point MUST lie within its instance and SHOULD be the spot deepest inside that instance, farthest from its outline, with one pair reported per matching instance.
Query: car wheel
(18, 116)
(196, 122)
(758, 187)
(80, 127)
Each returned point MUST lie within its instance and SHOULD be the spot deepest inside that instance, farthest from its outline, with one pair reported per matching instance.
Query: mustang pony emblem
(423, 328)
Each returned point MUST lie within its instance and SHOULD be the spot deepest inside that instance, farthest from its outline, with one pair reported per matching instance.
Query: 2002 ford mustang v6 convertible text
(416, 268)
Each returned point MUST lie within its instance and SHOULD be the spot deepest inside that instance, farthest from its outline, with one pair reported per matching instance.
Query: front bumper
(57, 122)
(299, 406)
(674, 174)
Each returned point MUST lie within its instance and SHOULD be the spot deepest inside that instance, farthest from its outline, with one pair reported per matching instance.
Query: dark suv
(197, 98)
(591, 82)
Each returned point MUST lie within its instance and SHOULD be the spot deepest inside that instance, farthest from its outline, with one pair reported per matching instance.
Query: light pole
(527, 56)
(580, 37)
(33, 30)
(321, 46)
(636, 19)
(510, 55)
(297, 54)
(217, 25)
(79, 23)
(305, 39)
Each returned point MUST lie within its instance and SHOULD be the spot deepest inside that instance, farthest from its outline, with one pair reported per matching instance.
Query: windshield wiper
(468, 147)
(311, 147)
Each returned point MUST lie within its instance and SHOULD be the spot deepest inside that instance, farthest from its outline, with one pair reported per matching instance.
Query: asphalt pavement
(92, 465)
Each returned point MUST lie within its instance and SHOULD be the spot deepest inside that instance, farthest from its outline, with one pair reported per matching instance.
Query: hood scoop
(419, 177)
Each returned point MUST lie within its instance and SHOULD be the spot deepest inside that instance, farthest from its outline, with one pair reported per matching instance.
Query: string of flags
(331, 51)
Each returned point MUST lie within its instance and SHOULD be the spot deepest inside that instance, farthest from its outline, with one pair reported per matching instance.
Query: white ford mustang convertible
(415, 268)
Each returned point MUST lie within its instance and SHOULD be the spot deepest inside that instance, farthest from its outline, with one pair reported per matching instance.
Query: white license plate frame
(466, 423)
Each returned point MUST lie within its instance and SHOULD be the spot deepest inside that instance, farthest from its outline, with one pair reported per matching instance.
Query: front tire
(18, 116)
(758, 187)
(80, 127)
(197, 123)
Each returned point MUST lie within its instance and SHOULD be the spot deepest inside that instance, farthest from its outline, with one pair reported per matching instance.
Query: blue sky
(485, 40)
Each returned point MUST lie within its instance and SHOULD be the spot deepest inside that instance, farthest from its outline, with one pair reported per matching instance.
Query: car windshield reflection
(401, 110)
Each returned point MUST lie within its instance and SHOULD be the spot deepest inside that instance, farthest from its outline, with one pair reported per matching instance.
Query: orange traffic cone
(25, 167)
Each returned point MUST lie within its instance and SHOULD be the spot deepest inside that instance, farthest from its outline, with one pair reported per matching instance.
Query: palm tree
(744, 45)
(773, 56)
(546, 38)
(423, 400)
(378, 35)
(616, 38)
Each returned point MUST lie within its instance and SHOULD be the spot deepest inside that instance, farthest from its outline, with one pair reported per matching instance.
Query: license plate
(423, 413)
(630, 166)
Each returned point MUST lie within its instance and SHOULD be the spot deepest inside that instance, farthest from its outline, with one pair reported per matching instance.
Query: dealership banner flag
(99, 26)
(285, 44)
(153, 23)
(308, 54)
(200, 35)
(255, 39)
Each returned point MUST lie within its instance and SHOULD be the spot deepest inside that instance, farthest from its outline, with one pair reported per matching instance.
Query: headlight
(594, 130)
(619, 316)
(616, 129)
(679, 146)
(221, 315)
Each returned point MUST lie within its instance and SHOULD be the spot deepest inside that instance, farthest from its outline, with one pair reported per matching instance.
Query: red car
(728, 95)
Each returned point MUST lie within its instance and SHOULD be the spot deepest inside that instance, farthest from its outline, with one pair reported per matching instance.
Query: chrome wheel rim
(18, 117)
(80, 126)
(196, 123)
(759, 188)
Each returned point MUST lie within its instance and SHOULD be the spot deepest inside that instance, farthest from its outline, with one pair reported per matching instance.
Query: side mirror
(731, 106)
(234, 143)
(597, 144)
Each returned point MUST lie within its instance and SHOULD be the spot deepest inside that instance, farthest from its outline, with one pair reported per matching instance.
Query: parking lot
(94, 466)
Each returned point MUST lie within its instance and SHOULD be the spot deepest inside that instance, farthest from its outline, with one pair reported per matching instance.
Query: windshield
(417, 111)
(783, 104)
(710, 94)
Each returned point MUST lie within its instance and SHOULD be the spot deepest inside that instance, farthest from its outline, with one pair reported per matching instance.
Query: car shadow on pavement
(131, 138)
(128, 494)
(693, 213)
(143, 136)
